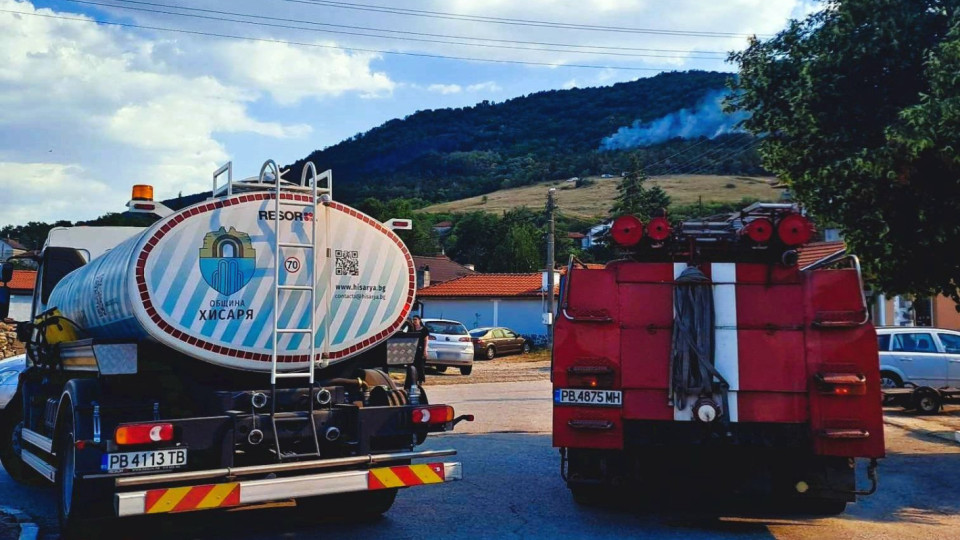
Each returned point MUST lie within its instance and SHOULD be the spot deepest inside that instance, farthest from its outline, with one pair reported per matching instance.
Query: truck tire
(78, 507)
(11, 424)
(354, 506)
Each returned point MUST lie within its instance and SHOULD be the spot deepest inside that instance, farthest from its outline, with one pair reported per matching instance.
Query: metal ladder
(317, 196)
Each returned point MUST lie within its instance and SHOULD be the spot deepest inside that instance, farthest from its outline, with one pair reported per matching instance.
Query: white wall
(522, 315)
(20, 307)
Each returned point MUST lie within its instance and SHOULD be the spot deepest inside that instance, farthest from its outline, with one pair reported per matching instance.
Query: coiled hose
(692, 370)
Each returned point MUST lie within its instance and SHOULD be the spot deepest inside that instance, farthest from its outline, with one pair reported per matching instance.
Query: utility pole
(551, 229)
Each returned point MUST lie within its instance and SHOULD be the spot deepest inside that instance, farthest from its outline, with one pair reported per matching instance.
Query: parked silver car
(918, 355)
(449, 345)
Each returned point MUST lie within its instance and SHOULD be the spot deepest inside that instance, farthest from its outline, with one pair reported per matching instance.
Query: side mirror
(4, 302)
(6, 272)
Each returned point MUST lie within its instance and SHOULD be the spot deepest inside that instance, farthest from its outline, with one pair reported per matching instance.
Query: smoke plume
(706, 120)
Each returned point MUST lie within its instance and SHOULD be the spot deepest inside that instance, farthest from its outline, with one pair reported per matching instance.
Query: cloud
(87, 110)
(489, 86)
(445, 88)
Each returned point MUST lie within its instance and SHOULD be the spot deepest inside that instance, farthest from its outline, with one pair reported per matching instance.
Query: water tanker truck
(233, 352)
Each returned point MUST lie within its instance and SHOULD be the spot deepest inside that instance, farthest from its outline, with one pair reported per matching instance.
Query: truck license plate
(604, 398)
(145, 460)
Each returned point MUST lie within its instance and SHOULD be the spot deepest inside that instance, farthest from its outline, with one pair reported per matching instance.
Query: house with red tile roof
(515, 301)
(21, 294)
(432, 270)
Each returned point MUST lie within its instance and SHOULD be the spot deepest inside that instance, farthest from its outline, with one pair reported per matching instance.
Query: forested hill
(448, 154)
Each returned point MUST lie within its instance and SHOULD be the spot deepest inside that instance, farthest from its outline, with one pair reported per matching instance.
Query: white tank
(202, 282)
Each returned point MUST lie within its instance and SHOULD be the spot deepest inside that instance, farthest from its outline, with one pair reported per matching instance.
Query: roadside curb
(923, 427)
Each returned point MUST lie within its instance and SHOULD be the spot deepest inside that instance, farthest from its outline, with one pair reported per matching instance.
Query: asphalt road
(512, 488)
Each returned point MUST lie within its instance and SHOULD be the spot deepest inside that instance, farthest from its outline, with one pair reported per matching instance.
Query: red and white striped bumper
(229, 494)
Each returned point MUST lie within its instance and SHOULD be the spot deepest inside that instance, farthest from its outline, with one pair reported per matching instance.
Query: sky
(175, 88)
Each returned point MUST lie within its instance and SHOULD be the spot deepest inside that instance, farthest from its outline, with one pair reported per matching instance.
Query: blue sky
(86, 109)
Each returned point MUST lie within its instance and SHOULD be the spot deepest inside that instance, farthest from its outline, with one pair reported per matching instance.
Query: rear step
(45, 469)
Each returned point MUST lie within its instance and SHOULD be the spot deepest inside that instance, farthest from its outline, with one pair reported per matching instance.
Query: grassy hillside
(595, 201)
(449, 154)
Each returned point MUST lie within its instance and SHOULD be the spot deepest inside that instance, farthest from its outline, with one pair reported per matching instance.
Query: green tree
(633, 197)
(859, 107)
(518, 250)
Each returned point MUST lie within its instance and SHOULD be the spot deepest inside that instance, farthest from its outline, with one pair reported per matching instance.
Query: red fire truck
(707, 357)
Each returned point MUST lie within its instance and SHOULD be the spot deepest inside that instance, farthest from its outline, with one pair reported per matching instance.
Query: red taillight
(478, 341)
(627, 230)
(658, 229)
(794, 230)
(434, 414)
(759, 230)
(143, 433)
(465, 339)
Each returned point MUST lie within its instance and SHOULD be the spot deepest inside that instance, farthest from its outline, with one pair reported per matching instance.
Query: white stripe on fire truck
(726, 355)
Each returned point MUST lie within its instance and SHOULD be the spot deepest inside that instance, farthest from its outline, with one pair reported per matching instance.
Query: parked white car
(449, 345)
(918, 355)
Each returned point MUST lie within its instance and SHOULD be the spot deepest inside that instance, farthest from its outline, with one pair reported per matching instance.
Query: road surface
(512, 489)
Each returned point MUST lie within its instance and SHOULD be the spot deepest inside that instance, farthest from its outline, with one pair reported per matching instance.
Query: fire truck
(707, 358)
(234, 352)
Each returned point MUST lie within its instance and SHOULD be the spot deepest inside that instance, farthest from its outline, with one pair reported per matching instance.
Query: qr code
(348, 263)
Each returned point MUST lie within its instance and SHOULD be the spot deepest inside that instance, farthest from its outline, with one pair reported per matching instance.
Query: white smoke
(706, 120)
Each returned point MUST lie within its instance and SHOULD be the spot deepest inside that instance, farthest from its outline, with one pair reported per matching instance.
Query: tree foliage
(860, 107)
(633, 197)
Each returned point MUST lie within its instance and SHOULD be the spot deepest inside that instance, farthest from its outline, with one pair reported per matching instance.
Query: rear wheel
(526, 347)
(490, 353)
(466, 370)
(77, 502)
(889, 379)
(354, 506)
(11, 426)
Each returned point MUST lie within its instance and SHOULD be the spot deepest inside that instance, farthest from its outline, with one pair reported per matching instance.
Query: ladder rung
(294, 331)
(295, 245)
(295, 287)
(299, 204)
(296, 375)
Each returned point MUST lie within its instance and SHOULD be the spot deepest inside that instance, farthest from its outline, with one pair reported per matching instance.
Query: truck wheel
(927, 401)
(76, 503)
(354, 506)
(11, 425)
(466, 370)
(490, 353)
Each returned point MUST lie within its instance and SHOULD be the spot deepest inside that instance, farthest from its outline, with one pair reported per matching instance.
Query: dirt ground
(520, 367)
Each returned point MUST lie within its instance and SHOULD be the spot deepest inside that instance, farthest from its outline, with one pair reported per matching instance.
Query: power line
(516, 22)
(293, 27)
(723, 150)
(688, 161)
(429, 34)
(325, 46)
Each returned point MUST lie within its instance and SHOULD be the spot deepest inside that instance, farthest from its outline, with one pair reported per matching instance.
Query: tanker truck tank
(203, 281)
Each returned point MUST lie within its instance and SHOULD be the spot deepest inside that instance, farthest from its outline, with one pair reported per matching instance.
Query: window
(447, 328)
(509, 334)
(883, 342)
(914, 342)
(951, 343)
(498, 333)
(479, 332)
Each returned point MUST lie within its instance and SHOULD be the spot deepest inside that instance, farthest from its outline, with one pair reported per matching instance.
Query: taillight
(143, 433)
(433, 414)
(627, 230)
(759, 230)
(842, 384)
(465, 339)
(794, 230)
(659, 229)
